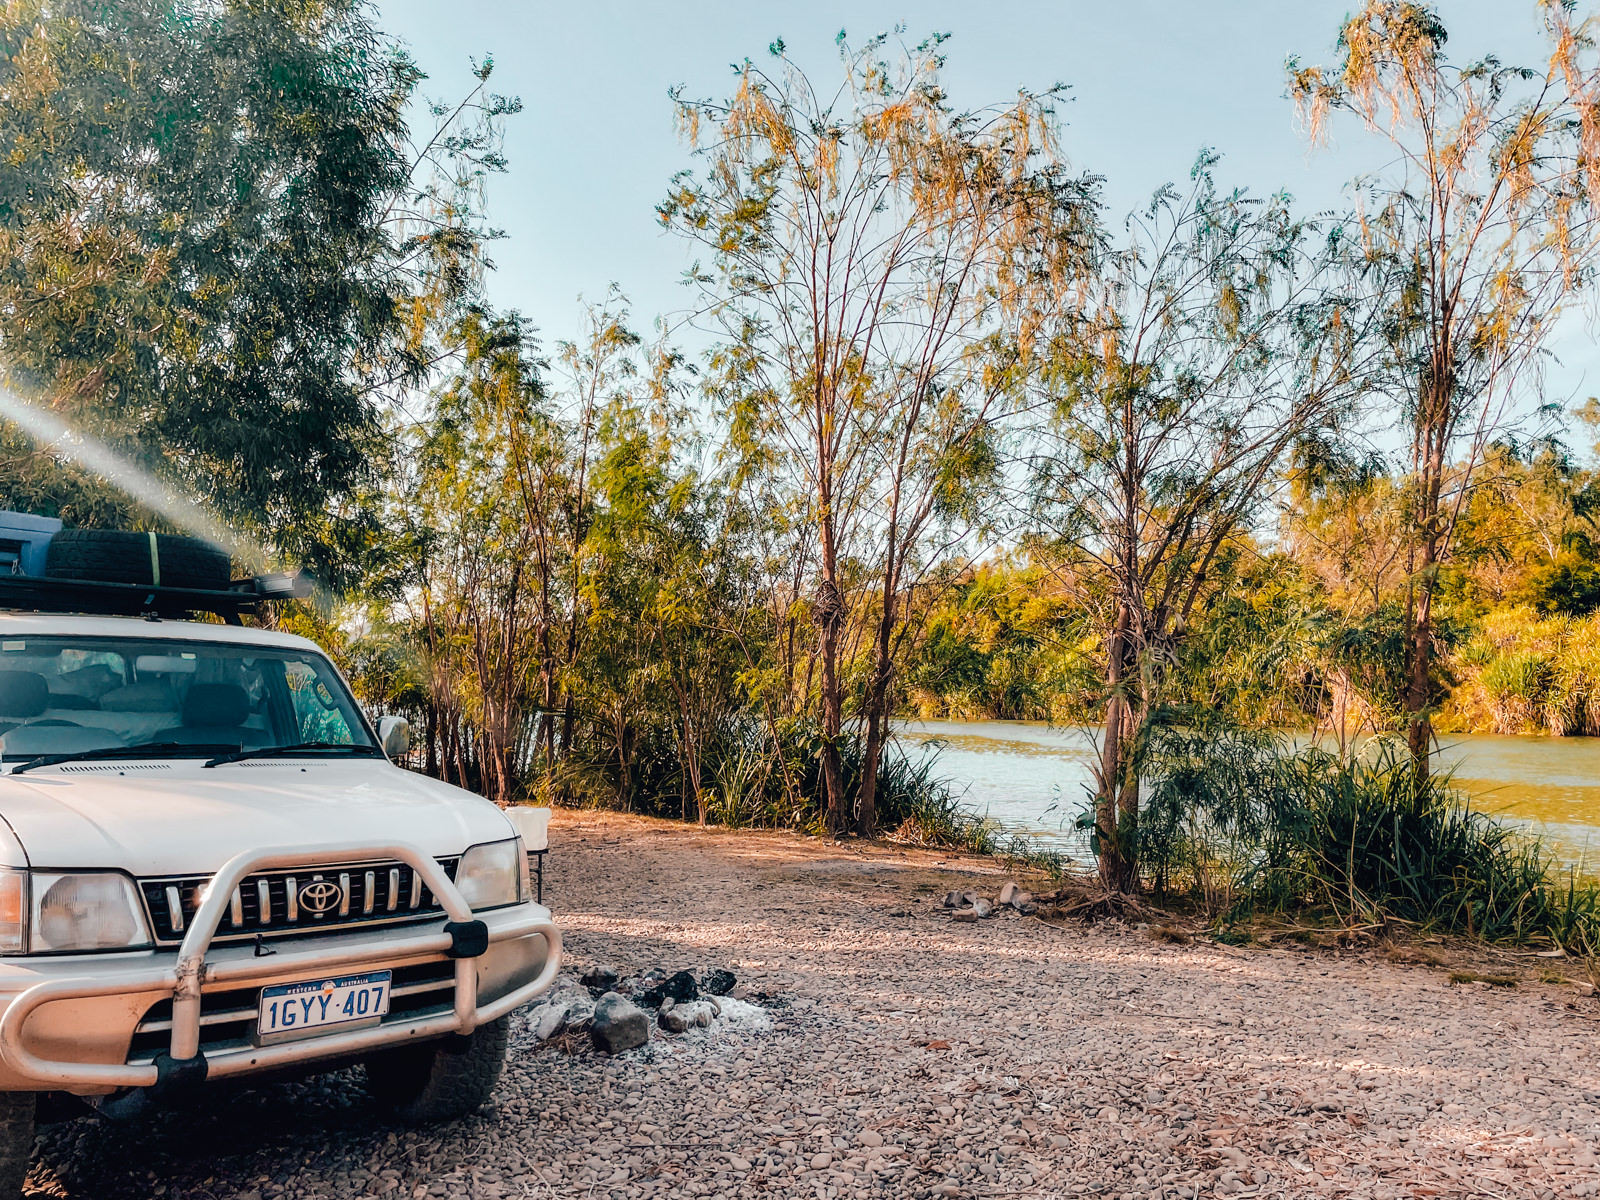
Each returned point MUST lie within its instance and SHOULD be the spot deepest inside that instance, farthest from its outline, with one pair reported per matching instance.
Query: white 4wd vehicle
(209, 867)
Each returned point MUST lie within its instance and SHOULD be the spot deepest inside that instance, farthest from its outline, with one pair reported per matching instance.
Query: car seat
(23, 694)
(214, 714)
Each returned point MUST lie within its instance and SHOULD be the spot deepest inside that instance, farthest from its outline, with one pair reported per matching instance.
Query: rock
(964, 914)
(599, 979)
(1028, 909)
(718, 982)
(679, 987)
(983, 907)
(819, 1162)
(675, 1020)
(557, 1016)
(954, 900)
(680, 1018)
(870, 1138)
(618, 1024)
(1007, 893)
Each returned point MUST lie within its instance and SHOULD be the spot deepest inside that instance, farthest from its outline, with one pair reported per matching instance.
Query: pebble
(917, 1058)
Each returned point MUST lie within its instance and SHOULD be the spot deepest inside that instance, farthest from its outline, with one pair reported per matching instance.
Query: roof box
(24, 538)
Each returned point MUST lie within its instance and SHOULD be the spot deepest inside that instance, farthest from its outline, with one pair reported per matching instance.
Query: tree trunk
(1430, 447)
(867, 809)
(877, 713)
(430, 735)
(1117, 804)
(1419, 662)
(836, 815)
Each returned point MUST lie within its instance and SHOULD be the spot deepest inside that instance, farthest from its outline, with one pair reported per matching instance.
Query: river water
(1033, 778)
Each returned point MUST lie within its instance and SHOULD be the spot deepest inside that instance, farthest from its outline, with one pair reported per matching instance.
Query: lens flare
(49, 430)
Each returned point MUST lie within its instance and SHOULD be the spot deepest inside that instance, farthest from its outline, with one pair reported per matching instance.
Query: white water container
(24, 538)
(532, 825)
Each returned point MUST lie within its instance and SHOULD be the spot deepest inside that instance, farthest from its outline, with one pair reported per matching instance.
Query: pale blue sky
(1153, 81)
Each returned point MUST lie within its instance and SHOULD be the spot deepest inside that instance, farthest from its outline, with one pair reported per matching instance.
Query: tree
(220, 248)
(1480, 232)
(1221, 336)
(490, 464)
(881, 264)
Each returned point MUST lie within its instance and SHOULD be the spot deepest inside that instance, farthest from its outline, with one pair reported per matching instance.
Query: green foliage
(213, 252)
(999, 641)
(1365, 838)
(1569, 584)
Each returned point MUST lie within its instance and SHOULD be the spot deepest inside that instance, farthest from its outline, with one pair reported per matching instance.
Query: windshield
(66, 695)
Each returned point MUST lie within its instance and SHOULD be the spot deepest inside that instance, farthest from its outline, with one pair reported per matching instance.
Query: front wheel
(438, 1081)
(16, 1141)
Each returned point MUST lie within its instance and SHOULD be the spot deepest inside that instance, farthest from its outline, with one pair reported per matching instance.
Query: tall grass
(1362, 838)
(751, 779)
(1525, 673)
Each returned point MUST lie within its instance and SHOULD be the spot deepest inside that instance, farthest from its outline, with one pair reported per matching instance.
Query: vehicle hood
(180, 818)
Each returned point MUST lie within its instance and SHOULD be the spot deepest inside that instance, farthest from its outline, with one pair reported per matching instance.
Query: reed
(1525, 673)
(1363, 838)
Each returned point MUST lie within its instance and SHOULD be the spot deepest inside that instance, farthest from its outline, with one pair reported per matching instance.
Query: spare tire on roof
(118, 556)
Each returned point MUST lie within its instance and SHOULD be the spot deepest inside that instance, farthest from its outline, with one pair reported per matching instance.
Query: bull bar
(184, 979)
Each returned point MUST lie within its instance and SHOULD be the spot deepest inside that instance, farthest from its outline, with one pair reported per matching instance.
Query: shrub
(1516, 685)
(1364, 837)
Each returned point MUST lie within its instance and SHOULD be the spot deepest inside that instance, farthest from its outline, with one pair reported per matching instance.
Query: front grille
(228, 1018)
(308, 900)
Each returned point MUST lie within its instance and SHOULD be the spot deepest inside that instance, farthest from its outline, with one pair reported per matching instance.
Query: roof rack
(44, 593)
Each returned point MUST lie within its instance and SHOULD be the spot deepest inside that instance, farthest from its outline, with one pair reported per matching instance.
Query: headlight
(491, 874)
(92, 911)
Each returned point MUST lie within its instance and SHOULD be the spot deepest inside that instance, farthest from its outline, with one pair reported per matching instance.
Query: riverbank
(909, 1056)
(1032, 778)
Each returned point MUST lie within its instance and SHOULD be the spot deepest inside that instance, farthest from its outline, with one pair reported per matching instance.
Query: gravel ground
(901, 1055)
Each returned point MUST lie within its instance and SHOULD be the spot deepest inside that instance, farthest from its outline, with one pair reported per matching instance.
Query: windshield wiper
(297, 748)
(141, 750)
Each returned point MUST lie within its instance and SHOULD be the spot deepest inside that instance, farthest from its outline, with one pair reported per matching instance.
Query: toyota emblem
(321, 896)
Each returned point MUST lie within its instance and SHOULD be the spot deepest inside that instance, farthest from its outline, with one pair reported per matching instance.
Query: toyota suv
(210, 868)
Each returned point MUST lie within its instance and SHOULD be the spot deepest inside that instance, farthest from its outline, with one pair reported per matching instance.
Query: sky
(1152, 83)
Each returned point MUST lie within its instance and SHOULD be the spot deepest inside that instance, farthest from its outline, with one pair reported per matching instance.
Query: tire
(440, 1081)
(16, 1141)
(118, 556)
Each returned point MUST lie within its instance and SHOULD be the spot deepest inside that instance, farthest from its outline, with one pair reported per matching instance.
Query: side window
(315, 708)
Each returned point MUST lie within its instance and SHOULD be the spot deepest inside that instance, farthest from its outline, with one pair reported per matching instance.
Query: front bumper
(69, 1024)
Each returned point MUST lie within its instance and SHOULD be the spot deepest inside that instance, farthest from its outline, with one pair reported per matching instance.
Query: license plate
(292, 1010)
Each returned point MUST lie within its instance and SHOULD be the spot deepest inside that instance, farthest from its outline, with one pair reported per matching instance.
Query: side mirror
(394, 734)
